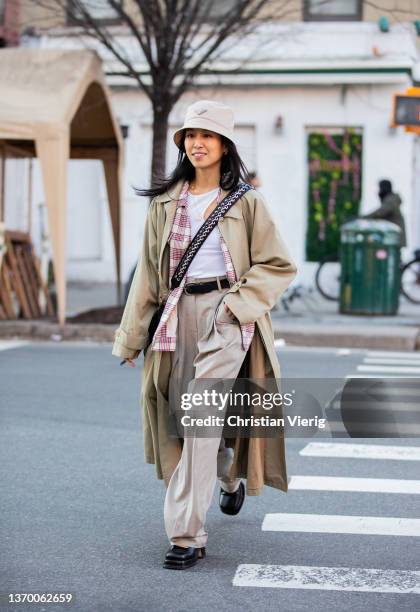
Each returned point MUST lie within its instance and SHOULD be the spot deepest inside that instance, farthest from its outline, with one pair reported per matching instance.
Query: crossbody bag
(193, 248)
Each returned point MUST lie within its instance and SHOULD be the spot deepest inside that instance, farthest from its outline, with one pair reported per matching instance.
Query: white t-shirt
(209, 259)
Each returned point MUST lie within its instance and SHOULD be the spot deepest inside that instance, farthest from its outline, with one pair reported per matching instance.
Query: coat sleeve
(142, 301)
(383, 212)
(271, 271)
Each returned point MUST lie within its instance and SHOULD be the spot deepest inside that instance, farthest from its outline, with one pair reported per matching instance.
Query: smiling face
(204, 148)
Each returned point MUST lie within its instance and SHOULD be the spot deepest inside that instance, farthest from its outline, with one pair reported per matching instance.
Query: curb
(45, 330)
(401, 338)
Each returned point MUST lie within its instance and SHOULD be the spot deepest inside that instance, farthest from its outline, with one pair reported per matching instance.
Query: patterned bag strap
(204, 231)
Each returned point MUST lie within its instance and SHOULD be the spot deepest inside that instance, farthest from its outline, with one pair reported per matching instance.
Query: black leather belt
(205, 287)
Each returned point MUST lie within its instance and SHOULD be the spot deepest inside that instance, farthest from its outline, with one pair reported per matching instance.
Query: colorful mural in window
(334, 187)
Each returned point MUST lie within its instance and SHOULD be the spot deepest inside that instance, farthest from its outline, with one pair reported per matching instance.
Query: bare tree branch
(101, 33)
(178, 39)
(135, 31)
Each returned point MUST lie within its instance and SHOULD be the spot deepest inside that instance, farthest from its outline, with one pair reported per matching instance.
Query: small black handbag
(154, 325)
(192, 250)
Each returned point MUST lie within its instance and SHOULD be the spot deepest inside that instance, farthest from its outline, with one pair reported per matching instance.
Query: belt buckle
(193, 285)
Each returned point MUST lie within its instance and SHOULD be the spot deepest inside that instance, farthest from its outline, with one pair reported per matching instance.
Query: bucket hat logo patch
(207, 115)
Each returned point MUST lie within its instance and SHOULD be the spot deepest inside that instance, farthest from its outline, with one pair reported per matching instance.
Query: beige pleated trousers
(209, 346)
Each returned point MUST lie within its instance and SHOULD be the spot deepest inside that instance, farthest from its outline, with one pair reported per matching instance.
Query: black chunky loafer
(180, 558)
(231, 503)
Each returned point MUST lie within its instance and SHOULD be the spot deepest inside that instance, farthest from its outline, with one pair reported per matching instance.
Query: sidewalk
(310, 322)
(317, 322)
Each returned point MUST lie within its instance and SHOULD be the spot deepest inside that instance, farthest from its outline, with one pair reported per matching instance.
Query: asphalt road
(82, 513)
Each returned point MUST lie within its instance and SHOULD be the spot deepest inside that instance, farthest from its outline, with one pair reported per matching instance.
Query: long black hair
(232, 170)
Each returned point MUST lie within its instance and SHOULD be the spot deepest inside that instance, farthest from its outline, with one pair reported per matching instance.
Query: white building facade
(289, 80)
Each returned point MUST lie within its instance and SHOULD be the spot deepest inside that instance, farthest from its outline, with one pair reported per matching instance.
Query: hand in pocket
(225, 315)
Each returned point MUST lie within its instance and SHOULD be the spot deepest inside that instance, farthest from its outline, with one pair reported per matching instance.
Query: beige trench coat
(264, 269)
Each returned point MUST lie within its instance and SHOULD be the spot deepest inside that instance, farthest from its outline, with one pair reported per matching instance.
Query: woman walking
(216, 297)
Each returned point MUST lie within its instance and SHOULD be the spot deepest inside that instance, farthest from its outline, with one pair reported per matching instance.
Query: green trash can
(370, 267)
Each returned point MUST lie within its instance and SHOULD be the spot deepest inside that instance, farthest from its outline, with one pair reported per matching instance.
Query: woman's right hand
(129, 361)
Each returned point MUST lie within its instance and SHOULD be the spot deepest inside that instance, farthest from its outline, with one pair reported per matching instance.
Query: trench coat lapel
(170, 209)
(170, 202)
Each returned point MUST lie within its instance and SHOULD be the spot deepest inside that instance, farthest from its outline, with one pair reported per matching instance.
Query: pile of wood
(23, 292)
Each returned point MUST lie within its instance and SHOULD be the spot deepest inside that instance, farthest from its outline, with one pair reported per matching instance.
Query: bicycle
(298, 293)
(327, 278)
(410, 278)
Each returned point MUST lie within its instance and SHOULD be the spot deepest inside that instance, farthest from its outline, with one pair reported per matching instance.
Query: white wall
(16, 214)
(279, 158)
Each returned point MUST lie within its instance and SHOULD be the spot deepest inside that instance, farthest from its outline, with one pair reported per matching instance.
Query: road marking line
(333, 523)
(6, 345)
(386, 361)
(370, 429)
(381, 403)
(366, 485)
(397, 354)
(409, 388)
(343, 351)
(388, 369)
(361, 451)
(381, 376)
(327, 578)
(279, 342)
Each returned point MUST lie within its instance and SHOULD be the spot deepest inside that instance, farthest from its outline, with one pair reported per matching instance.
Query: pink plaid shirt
(179, 239)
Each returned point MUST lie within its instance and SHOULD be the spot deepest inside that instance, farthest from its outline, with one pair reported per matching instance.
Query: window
(215, 9)
(100, 10)
(332, 10)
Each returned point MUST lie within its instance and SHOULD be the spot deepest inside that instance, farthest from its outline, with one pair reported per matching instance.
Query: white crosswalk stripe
(389, 406)
(335, 523)
(327, 578)
(399, 390)
(382, 375)
(365, 485)
(394, 354)
(389, 369)
(388, 364)
(405, 406)
(6, 345)
(361, 451)
(391, 361)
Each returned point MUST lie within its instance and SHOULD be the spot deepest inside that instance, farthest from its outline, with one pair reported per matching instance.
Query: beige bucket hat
(208, 115)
